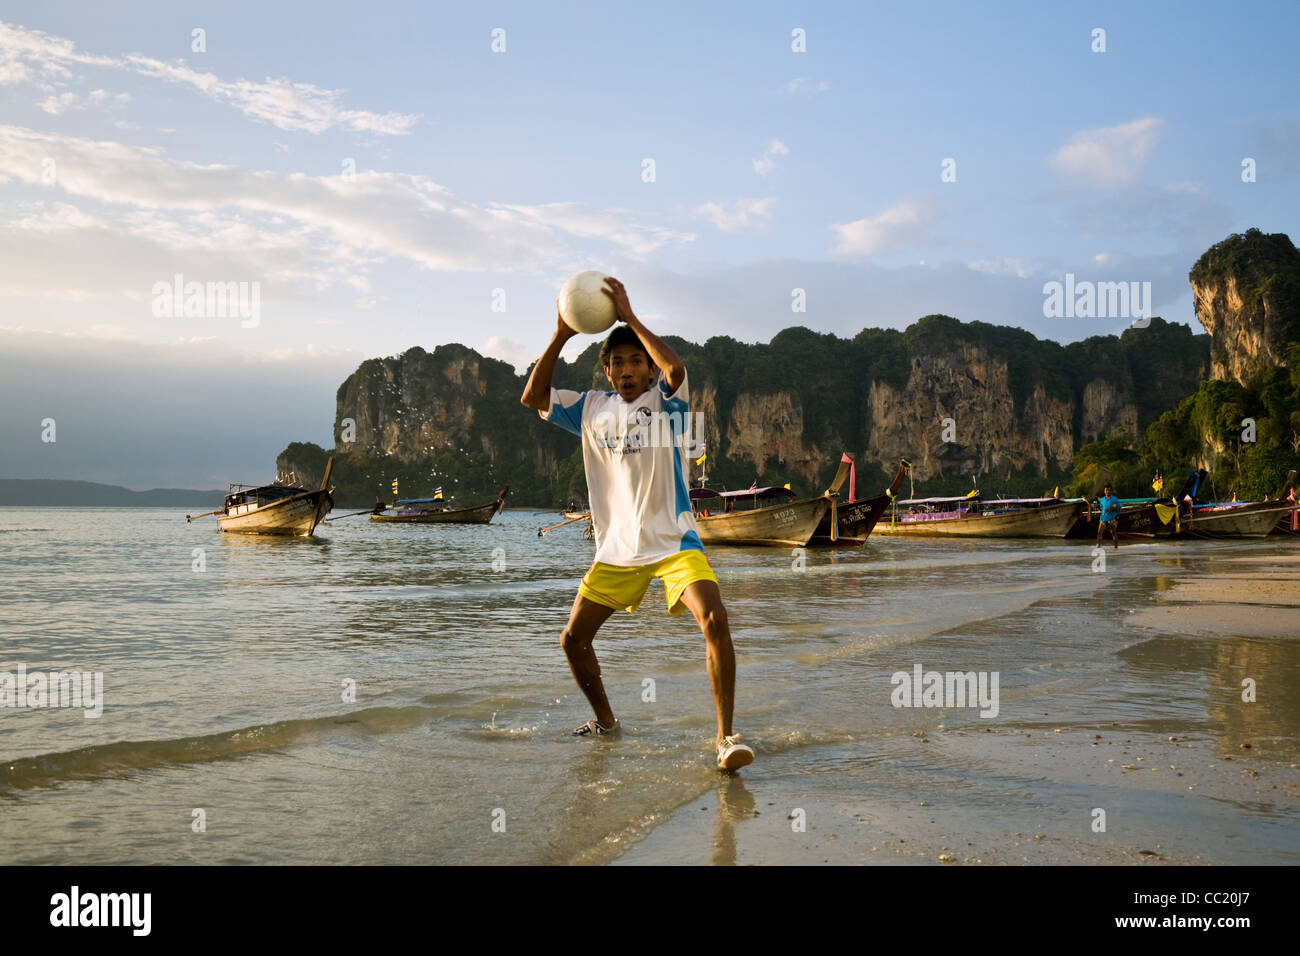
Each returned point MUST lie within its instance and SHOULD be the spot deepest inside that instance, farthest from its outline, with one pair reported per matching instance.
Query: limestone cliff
(1247, 295)
(957, 416)
(960, 400)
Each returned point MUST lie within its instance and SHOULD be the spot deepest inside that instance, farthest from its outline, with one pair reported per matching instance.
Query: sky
(373, 178)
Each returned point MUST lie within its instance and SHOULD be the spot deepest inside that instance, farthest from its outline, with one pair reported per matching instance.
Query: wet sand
(1219, 788)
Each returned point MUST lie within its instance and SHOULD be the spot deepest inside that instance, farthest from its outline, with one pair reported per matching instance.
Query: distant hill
(50, 492)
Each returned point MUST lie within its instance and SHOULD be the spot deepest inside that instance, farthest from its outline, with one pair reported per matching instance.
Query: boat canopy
(988, 502)
(772, 491)
(1017, 501)
(262, 494)
(421, 501)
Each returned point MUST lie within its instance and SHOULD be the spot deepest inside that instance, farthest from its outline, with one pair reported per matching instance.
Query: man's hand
(622, 306)
(660, 354)
(563, 331)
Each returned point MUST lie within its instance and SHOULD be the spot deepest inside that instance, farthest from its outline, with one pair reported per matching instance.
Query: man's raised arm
(537, 393)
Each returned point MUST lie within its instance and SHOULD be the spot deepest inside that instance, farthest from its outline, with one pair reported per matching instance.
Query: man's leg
(705, 602)
(584, 620)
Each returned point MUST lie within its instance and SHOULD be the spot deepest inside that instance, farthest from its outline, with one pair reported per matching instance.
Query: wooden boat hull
(789, 524)
(1253, 520)
(1134, 522)
(1289, 523)
(856, 519)
(476, 514)
(297, 516)
(1049, 521)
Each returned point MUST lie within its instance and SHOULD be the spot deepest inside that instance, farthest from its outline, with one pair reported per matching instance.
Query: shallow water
(224, 688)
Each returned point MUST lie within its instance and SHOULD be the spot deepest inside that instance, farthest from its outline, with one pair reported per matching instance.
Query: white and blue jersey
(635, 455)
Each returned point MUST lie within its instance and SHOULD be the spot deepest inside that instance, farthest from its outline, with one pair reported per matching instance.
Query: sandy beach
(1167, 785)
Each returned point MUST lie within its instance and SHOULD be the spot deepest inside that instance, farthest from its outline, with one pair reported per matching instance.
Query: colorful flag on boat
(754, 486)
(700, 460)
(787, 486)
(1157, 483)
(853, 476)
(437, 492)
(394, 486)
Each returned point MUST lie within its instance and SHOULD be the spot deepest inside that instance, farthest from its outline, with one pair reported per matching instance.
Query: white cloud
(281, 102)
(102, 99)
(308, 231)
(902, 224)
(1109, 155)
(615, 225)
(30, 56)
(737, 214)
(507, 350)
(767, 162)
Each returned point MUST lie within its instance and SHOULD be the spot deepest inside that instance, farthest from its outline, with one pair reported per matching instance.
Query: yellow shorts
(623, 588)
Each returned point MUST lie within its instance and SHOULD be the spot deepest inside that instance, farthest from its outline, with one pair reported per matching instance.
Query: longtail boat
(1288, 523)
(275, 509)
(437, 511)
(975, 517)
(1182, 517)
(1227, 519)
(790, 522)
(1137, 519)
(855, 518)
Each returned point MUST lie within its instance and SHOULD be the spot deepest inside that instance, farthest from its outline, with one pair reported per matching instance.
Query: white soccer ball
(583, 306)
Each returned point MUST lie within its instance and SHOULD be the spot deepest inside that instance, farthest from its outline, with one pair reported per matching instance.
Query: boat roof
(265, 491)
(420, 501)
(980, 498)
(772, 491)
(1017, 501)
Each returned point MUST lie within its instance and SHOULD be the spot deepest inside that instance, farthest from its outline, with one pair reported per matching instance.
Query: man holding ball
(640, 507)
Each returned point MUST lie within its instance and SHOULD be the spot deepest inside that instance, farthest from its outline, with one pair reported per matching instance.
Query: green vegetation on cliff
(1211, 428)
(452, 417)
(1264, 265)
(1244, 432)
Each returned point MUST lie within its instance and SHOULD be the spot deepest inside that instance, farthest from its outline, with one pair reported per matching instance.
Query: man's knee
(714, 619)
(574, 642)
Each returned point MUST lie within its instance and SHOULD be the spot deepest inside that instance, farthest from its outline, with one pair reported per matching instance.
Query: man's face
(630, 371)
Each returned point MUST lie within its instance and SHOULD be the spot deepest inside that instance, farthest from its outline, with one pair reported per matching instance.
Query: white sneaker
(732, 754)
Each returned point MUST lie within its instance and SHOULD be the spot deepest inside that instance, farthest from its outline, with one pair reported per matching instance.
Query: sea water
(397, 693)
